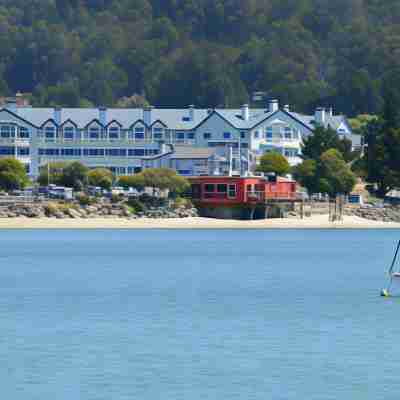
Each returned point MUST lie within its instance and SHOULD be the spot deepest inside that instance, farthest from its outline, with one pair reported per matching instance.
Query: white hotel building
(193, 141)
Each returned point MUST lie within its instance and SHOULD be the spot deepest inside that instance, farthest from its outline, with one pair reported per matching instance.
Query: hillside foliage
(202, 52)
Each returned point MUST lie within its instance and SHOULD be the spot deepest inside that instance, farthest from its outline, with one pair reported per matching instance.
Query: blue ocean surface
(110, 314)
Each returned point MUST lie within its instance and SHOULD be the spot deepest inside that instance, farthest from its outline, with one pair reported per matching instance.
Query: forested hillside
(202, 52)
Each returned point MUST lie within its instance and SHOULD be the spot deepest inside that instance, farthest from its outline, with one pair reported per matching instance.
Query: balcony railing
(15, 140)
(255, 196)
(117, 142)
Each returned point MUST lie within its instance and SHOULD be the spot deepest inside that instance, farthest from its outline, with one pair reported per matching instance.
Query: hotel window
(7, 150)
(157, 133)
(69, 133)
(290, 152)
(139, 133)
(269, 134)
(231, 191)
(184, 172)
(23, 151)
(50, 133)
(23, 132)
(7, 131)
(113, 133)
(242, 135)
(180, 135)
(136, 152)
(191, 135)
(94, 133)
(288, 133)
(207, 135)
(227, 135)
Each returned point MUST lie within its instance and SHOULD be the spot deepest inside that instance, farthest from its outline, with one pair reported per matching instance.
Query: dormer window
(94, 133)
(50, 133)
(227, 135)
(113, 133)
(185, 119)
(69, 133)
(139, 133)
(288, 133)
(180, 135)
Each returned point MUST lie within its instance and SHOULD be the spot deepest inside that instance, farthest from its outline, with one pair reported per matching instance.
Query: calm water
(197, 315)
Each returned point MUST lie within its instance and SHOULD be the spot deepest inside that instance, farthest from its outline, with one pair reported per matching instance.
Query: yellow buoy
(385, 293)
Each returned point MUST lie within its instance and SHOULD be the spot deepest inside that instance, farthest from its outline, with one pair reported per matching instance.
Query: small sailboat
(393, 275)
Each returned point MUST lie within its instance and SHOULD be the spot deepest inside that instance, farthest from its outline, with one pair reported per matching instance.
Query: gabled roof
(114, 121)
(69, 121)
(18, 117)
(177, 119)
(50, 120)
(94, 121)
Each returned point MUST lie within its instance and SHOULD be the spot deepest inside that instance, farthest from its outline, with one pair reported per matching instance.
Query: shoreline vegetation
(313, 222)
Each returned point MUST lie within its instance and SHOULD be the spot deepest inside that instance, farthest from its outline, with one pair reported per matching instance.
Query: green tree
(52, 173)
(274, 162)
(132, 181)
(12, 174)
(382, 136)
(306, 174)
(336, 175)
(381, 159)
(157, 179)
(323, 139)
(100, 177)
(75, 175)
(164, 179)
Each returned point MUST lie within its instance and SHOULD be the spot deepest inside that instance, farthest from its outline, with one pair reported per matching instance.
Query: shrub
(50, 208)
(182, 202)
(100, 177)
(84, 199)
(136, 205)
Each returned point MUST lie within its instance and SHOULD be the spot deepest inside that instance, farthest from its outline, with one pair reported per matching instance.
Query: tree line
(217, 52)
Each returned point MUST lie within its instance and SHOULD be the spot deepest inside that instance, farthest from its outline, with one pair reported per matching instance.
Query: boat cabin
(241, 190)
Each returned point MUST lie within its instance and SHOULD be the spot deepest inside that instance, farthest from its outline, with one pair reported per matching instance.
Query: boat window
(222, 188)
(232, 191)
(209, 187)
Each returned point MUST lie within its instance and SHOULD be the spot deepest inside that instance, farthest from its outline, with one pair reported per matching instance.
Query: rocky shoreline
(98, 210)
(387, 213)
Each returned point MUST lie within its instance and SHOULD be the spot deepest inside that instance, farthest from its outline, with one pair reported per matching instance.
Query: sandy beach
(314, 222)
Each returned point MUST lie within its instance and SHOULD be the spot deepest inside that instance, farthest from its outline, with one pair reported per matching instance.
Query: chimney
(57, 115)
(245, 112)
(147, 115)
(103, 115)
(191, 112)
(320, 116)
(273, 105)
(19, 99)
(11, 104)
(286, 108)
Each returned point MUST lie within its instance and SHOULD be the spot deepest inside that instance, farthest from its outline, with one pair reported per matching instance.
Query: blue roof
(178, 119)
